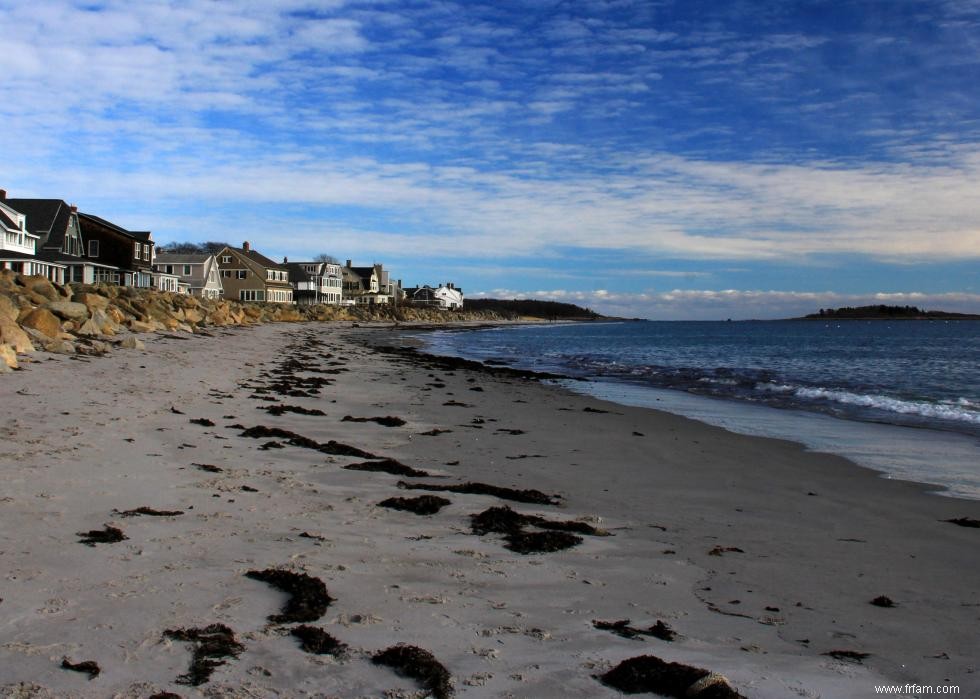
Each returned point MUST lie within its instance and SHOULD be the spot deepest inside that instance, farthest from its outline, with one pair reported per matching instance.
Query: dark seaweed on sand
(422, 505)
(203, 421)
(503, 520)
(420, 665)
(435, 432)
(164, 695)
(396, 468)
(622, 628)
(386, 421)
(650, 674)
(308, 598)
(541, 542)
(212, 645)
(532, 497)
(318, 641)
(87, 666)
(852, 655)
(433, 361)
(883, 601)
(107, 535)
(150, 512)
(298, 440)
(210, 468)
(965, 522)
(281, 409)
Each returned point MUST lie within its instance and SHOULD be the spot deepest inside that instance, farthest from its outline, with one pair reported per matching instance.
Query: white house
(18, 246)
(315, 282)
(445, 296)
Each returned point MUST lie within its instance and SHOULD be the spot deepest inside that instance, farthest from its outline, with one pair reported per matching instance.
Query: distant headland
(882, 312)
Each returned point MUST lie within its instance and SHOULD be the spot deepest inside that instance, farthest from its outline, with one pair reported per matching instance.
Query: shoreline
(499, 621)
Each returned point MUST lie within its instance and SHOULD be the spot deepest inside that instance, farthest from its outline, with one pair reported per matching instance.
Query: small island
(883, 312)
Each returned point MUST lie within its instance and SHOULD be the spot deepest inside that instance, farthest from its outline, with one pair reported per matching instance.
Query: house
(18, 246)
(247, 275)
(128, 253)
(58, 250)
(445, 296)
(315, 282)
(197, 272)
(369, 285)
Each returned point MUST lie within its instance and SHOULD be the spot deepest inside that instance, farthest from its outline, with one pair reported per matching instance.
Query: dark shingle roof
(170, 258)
(261, 259)
(47, 218)
(8, 222)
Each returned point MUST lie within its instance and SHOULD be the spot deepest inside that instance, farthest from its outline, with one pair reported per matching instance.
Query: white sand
(84, 438)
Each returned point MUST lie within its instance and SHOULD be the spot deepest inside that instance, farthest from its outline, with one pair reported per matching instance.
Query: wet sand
(762, 557)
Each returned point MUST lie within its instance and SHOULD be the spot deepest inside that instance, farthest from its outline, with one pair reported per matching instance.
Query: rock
(138, 326)
(41, 286)
(42, 320)
(92, 301)
(106, 325)
(12, 334)
(59, 347)
(89, 328)
(193, 315)
(8, 357)
(69, 310)
(133, 343)
(8, 309)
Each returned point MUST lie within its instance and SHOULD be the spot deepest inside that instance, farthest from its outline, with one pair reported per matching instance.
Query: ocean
(902, 397)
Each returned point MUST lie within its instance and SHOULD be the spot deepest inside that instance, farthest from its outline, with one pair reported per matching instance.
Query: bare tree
(323, 257)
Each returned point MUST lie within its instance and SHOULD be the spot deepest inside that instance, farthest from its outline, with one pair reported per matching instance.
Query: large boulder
(44, 321)
(59, 347)
(92, 301)
(41, 286)
(69, 310)
(8, 357)
(13, 335)
(132, 342)
(138, 326)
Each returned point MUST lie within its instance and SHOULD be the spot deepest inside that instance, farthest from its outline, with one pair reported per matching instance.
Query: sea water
(902, 397)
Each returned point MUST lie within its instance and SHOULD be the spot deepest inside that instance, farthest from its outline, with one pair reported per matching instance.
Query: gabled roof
(172, 258)
(261, 259)
(8, 222)
(47, 218)
(297, 273)
(138, 235)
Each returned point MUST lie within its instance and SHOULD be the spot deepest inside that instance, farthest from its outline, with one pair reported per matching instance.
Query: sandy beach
(762, 558)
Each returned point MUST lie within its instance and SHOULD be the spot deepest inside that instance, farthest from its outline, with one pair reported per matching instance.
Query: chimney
(3, 195)
(74, 209)
(246, 247)
(285, 260)
(349, 264)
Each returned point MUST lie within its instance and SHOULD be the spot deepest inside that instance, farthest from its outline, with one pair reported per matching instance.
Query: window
(226, 273)
(93, 248)
(169, 269)
(242, 273)
(146, 253)
(187, 269)
(251, 295)
(226, 259)
(136, 250)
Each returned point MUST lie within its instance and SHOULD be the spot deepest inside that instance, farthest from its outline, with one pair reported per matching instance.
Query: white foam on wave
(943, 411)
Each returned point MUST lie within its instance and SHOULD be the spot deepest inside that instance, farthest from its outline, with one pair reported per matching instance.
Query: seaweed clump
(392, 466)
(281, 409)
(648, 673)
(318, 641)
(422, 505)
(213, 644)
(150, 512)
(90, 667)
(308, 598)
(106, 535)
(532, 497)
(298, 440)
(965, 522)
(851, 655)
(883, 601)
(386, 421)
(557, 536)
(420, 665)
(622, 628)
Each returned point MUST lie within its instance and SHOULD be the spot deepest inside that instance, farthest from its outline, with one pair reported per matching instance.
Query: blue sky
(663, 159)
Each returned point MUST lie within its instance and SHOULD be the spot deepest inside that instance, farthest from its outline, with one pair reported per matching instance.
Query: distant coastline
(882, 312)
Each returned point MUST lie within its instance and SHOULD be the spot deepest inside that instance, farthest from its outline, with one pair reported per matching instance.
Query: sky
(665, 159)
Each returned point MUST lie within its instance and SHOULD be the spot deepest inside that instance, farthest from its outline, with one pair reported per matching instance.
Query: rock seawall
(36, 314)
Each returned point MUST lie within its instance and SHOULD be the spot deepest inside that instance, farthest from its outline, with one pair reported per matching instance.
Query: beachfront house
(18, 246)
(198, 273)
(247, 275)
(445, 296)
(58, 253)
(315, 282)
(369, 286)
(126, 256)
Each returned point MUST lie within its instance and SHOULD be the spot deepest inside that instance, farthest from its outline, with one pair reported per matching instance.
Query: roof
(14, 255)
(171, 258)
(47, 218)
(8, 222)
(260, 259)
(297, 273)
(139, 235)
